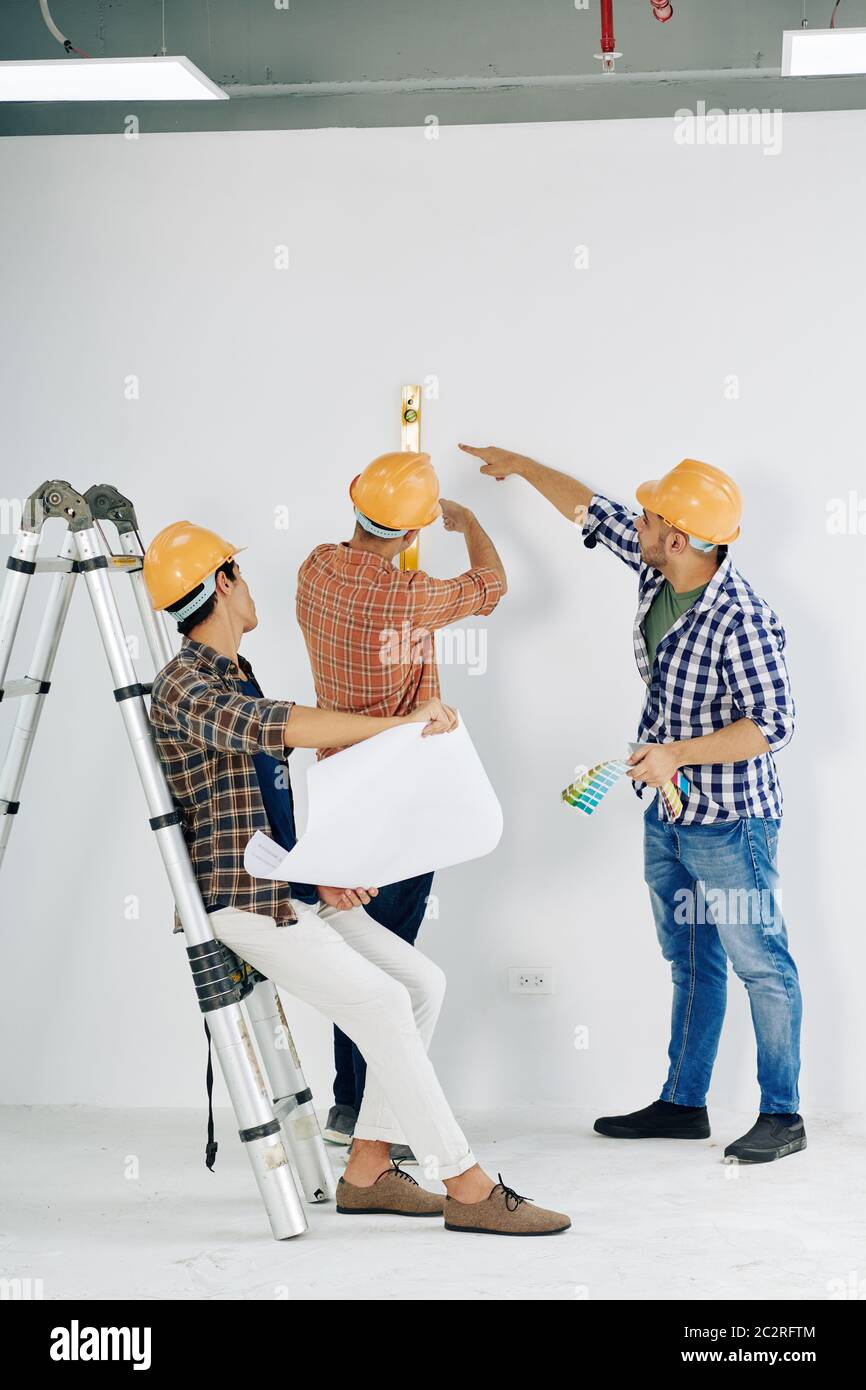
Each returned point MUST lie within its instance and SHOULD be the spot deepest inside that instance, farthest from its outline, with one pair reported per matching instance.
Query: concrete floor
(650, 1220)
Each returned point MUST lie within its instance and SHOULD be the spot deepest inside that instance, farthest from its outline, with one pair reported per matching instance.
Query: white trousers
(386, 996)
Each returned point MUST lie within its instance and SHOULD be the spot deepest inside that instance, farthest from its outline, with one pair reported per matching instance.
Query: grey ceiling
(393, 62)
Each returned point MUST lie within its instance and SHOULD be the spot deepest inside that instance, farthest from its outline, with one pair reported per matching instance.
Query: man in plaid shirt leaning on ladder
(223, 746)
(369, 631)
(718, 705)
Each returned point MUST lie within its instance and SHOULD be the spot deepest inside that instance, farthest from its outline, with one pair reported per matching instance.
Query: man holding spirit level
(369, 629)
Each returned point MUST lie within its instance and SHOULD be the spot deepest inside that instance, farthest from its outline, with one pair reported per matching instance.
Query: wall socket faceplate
(530, 979)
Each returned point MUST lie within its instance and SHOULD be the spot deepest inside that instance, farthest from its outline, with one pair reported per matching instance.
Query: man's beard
(654, 557)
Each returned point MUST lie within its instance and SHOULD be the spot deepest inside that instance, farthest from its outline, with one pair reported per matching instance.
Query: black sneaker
(401, 1153)
(661, 1120)
(770, 1137)
(341, 1124)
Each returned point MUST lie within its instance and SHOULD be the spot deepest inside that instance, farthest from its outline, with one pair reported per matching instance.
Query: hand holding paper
(386, 809)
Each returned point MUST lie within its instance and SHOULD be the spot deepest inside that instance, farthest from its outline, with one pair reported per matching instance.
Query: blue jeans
(400, 907)
(714, 891)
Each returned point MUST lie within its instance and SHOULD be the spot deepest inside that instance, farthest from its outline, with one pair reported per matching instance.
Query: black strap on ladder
(212, 1146)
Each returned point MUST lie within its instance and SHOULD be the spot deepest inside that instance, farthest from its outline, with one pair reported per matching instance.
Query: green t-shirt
(665, 609)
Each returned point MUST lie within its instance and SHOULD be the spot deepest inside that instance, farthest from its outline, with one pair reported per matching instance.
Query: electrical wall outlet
(530, 979)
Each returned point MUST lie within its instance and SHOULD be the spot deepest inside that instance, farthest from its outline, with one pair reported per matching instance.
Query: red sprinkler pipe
(608, 42)
(662, 10)
(608, 52)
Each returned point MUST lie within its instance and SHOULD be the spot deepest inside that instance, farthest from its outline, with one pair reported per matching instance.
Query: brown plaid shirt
(206, 731)
(368, 627)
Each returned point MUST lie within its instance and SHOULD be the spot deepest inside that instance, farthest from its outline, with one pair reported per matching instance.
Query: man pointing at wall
(718, 705)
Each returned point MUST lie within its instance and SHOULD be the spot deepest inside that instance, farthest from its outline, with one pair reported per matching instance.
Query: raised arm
(565, 493)
(482, 552)
(599, 519)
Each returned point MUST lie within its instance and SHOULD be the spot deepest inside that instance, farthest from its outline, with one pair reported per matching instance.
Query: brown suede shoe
(503, 1213)
(394, 1193)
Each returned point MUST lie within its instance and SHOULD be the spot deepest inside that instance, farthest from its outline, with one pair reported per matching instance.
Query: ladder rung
(28, 685)
(59, 565)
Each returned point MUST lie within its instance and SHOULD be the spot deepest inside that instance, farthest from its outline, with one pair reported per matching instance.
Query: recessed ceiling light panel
(107, 79)
(823, 52)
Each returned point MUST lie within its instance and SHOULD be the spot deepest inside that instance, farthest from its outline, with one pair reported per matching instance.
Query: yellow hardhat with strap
(698, 499)
(180, 558)
(396, 493)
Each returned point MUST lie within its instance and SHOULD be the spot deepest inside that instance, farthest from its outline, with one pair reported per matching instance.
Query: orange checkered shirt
(369, 627)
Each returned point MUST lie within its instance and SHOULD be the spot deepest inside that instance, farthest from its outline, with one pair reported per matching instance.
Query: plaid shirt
(368, 628)
(206, 731)
(721, 661)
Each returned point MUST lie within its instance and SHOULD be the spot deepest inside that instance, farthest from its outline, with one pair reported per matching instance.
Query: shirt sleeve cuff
(778, 732)
(597, 511)
(272, 724)
(492, 590)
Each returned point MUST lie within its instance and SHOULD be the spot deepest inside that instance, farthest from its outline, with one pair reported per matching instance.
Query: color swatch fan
(673, 793)
(592, 786)
(585, 793)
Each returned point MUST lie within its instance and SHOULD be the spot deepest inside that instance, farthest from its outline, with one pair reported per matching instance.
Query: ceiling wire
(55, 32)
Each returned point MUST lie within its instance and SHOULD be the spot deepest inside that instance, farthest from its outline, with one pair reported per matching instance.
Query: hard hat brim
(646, 493)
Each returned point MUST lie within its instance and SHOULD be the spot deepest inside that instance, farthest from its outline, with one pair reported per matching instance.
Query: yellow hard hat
(180, 558)
(398, 492)
(696, 498)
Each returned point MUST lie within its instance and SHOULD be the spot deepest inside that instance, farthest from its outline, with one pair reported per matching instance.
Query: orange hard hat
(398, 491)
(696, 498)
(180, 558)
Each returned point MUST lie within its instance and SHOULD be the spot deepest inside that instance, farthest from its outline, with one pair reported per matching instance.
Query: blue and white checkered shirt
(720, 662)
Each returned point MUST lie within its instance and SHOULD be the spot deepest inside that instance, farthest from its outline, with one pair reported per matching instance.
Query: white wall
(261, 388)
